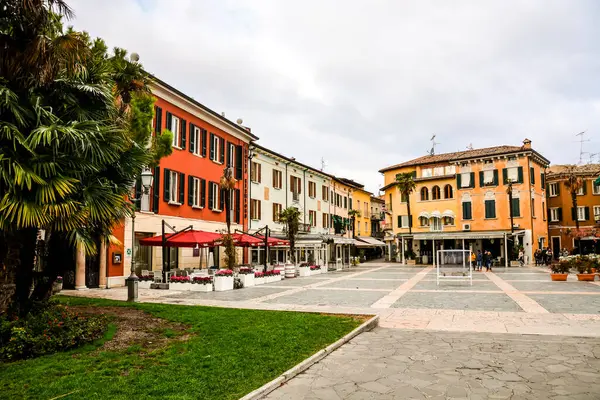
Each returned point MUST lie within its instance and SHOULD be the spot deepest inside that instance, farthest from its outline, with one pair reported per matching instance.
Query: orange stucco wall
(112, 268)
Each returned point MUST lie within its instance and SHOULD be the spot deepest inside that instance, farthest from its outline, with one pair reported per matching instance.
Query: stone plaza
(513, 334)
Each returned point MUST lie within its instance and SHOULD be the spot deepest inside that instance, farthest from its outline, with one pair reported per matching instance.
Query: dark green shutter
(532, 174)
(472, 180)
(157, 119)
(192, 138)
(573, 214)
(495, 177)
(490, 208)
(505, 175)
(222, 150)
(213, 155)
(190, 190)
(413, 174)
(520, 174)
(202, 192)
(237, 206)
(516, 208)
(211, 188)
(587, 213)
(584, 186)
(168, 116)
(222, 194)
(203, 141)
(558, 188)
(481, 181)
(399, 221)
(458, 185)
(559, 214)
(183, 124)
(549, 215)
(156, 190)
(167, 185)
(238, 162)
(181, 198)
(466, 206)
(543, 179)
(410, 221)
(228, 156)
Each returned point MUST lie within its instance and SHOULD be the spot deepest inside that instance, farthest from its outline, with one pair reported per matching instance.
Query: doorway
(556, 246)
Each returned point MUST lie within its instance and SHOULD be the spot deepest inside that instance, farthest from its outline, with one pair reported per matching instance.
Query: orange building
(185, 192)
(461, 201)
(561, 214)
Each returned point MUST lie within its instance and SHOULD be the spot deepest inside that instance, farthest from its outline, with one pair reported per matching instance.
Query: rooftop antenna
(433, 143)
(581, 140)
(470, 146)
(592, 155)
(323, 165)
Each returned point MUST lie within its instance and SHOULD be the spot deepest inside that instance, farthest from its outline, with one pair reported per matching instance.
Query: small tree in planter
(223, 280)
(202, 284)
(291, 218)
(560, 271)
(584, 267)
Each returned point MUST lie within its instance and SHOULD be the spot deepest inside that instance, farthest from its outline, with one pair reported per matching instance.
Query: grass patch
(229, 353)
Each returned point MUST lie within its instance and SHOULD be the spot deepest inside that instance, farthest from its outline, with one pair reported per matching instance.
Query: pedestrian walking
(521, 260)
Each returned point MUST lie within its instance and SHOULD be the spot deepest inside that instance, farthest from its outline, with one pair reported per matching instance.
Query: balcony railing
(378, 216)
(378, 235)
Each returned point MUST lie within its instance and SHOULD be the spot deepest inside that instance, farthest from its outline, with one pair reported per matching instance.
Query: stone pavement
(402, 364)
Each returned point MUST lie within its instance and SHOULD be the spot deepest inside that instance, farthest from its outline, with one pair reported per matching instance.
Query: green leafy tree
(353, 214)
(291, 218)
(406, 185)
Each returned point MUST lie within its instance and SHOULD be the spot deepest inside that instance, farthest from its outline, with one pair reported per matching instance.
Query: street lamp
(132, 281)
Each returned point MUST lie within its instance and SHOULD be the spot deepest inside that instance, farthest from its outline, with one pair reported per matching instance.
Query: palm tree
(574, 183)
(353, 214)
(406, 185)
(291, 218)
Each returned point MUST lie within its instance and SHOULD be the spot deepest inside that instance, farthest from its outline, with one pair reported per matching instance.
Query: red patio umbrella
(191, 238)
(245, 240)
(275, 242)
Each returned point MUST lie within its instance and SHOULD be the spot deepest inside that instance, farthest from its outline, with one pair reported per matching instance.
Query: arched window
(436, 193)
(448, 220)
(424, 194)
(448, 192)
(424, 221)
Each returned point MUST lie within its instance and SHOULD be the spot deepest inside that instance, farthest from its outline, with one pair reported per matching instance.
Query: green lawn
(230, 353)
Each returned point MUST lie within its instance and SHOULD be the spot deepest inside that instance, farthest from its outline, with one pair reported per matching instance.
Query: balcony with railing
(378, 216)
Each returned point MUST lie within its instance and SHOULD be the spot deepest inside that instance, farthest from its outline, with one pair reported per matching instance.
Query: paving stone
(557, 368)
(375, 387)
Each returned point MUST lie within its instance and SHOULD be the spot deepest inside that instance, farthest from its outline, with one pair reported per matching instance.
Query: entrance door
(556, 246)
(92, 271)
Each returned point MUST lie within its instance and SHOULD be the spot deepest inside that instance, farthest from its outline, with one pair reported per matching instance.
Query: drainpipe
(304, 185)
(286, 184)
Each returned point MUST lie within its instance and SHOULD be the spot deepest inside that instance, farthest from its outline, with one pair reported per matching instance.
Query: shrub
(563, 267)
(224, 272)
(203, 280)
(245, 271)
(180, 279)
(48, 328)
(314, 267)
(259, 274)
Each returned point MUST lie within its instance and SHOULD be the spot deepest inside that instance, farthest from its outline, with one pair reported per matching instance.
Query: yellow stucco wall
(362, 202)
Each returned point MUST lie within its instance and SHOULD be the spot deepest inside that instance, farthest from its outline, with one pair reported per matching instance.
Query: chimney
(526, 144)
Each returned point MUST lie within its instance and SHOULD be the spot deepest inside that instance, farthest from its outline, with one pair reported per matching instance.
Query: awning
(436, 214)
(367, 241)
(424, 214)
(338, 239)
(191, 238)
(462, 235)
(597, 182)
(448, 213)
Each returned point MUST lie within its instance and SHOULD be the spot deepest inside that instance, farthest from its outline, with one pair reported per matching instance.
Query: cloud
(365, 84)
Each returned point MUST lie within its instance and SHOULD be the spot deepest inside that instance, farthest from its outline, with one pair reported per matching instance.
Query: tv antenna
(323, 165)
(581, 141)
(592, 155)
(470, 146)
(433, 143)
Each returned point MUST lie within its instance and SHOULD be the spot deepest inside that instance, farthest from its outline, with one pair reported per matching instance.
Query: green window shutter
(202, 192)
(532, 174)
(466, 210)
(190, 190)
(505, 176)
(167, 185)
(543, 179)
(520, 174)
(559, 214)
(399, 221)
(481, 179)
(203, 140)
(573, 213)
(414, 174)
(157, 119)
(211, 188)
(587, 213)
(222, 194)
(183, 134)
(458, 185)
(490, 208)
(238, 162)
(495, 177)
(213, 154)
(181, 188)
(221, 150)
(192, 138)
(410, 221)
(168, 116)
(155, 190)
(516, 208)
(558, 188)
(237, 206)
(472, 180)
(584, 186)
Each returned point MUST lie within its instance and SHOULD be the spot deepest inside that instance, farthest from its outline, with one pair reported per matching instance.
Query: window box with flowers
(315, 269)
(145, 281)
(304, 270)
(259, 278)
(180, 283)
(202, 284)
(223, 280)
(246, 275)
(57, 285)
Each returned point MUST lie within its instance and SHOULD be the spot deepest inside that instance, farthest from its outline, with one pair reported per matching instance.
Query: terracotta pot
(593, 270)
(586, 277)
(559, 277)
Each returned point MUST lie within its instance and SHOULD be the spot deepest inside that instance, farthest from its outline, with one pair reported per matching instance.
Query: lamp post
(132, 281)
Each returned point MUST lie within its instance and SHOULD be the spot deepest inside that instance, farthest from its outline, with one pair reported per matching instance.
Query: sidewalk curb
(310, 361)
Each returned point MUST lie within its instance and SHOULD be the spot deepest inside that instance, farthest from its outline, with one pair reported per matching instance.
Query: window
(276, 212)
(366, 228)
(436, 193)
(255, 173)
(448, 220)
(325, 193)
(581, 214)
(466, 209)
(195, 189)
(490, 208)
(277, 179)
(596, 213)
(543, 211)
(488, 177)
(553, 189)
(195, 140)
(345, 202)
(175, 130)
(174, 187)
(358, 205)
(533, 207)
(595, 188)
(325, 220)
(448, 192)
(512, 174)
(402, 221)
(516, 208)
(424, 221)
(532, 175)
(214, 147)
(424, 194)
(312, 189)
(436, 224)
(255, 209)
(426, 173)
(231, 156)
(438, 171)
(366, 210)
(215, 197)
(465, 180)
(555, 214)
(312, 218)
(450, 170)
(581, 190)
(295, 187)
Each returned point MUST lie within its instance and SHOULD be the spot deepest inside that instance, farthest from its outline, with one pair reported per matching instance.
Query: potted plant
(259, 278)
(57, 285)
(223, 280)
(180, 283)
(584, 268)
(304, 269)
(202, 284)
(409, 257)
(272, 276)
(246, 275)
(145, 282)
(560, 271)
(315, 269)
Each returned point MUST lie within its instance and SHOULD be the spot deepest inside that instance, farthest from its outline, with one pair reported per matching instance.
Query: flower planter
(179, 286)
(223, 283)
(57, 287)
(247, 279)
(411, 262)
(304, 271)
(259, 281)
(202, 287)
(559, 277)
(586, 277)
(144, 284)
(315, 271)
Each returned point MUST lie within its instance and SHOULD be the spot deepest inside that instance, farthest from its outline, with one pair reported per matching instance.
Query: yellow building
(461, 200)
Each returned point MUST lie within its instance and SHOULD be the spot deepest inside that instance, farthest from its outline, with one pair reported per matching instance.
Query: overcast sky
(364, 84)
